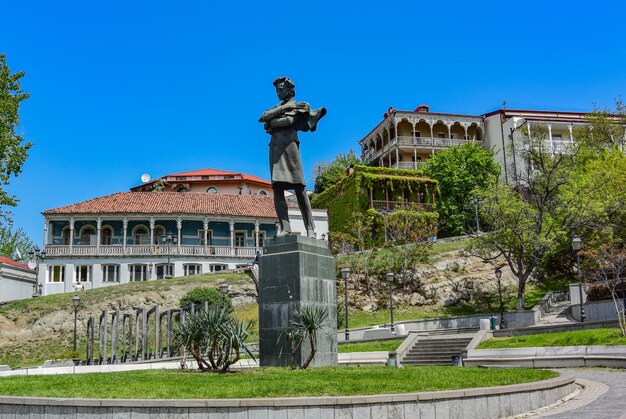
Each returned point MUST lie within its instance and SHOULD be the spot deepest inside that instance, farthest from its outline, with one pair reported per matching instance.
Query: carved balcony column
(98, 230)
(231, 224)
(71, 235)
(125, 234)
(179, 227)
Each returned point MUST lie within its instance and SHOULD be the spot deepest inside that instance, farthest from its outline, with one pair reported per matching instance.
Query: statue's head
(285, 89)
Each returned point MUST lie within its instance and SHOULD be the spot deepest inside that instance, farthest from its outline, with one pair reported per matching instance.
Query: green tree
(13, 149)
(213, 296)
(460, 172)
(407, 232)
(327, 174)
(14, 242)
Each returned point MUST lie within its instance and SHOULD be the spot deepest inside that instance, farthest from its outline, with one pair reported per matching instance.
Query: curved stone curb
(484, 402)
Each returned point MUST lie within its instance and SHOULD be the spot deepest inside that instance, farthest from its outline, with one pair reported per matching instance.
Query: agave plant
(307, 323)
(214, 338)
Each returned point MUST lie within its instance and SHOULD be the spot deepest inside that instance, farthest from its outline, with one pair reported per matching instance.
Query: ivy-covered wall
(352, 193)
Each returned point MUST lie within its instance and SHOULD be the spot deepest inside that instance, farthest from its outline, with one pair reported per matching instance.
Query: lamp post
(76, 303)
(390, 277)
(35, 257)
(224, 288)
(576, 244)
(498, 273)
(476, 202)
(345, 273)
(168, 239)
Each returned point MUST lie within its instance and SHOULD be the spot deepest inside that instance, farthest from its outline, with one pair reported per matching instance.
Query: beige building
(508, 130)
(404, 139)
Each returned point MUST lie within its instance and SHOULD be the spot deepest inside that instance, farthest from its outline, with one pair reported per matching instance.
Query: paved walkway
(558, 314)
(603, 398)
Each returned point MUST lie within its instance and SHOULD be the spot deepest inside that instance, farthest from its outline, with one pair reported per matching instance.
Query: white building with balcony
(141, 236)
(404, 139)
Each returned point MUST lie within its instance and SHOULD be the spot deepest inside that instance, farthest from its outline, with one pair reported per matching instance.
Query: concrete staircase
(437, 350)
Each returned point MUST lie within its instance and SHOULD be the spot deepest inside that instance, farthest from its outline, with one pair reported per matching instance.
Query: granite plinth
(295, 271)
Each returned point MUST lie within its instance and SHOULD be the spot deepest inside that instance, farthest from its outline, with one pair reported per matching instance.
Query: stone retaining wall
(486, 402)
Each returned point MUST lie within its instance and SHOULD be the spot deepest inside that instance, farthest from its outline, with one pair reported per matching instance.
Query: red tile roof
(13, 263)
(173, 203)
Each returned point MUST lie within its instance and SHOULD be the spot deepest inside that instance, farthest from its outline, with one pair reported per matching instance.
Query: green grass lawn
(373, 346)
(270, 382)
(574, 338)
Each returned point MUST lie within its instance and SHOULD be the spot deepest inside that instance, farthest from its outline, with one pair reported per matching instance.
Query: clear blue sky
(124, 88)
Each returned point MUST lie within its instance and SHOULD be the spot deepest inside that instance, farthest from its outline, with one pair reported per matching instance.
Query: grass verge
(573, 338)
(373, 346)
(270, 382)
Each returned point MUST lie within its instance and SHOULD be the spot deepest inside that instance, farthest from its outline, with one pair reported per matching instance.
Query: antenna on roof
(145, 178)
(504, 104)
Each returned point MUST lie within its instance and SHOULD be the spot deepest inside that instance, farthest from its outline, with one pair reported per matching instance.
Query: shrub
(213, 296)
(214, 338)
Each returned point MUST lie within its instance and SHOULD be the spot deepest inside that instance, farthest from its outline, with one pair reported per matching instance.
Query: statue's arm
(281, 110)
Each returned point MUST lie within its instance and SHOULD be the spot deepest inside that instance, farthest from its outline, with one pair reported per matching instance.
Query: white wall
(16, 283)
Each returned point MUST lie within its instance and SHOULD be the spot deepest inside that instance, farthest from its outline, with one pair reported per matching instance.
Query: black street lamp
(168, 239)
(76, 303)
(576, 245)
(35, 257)
(476, 202)
(498, 273)
(345, 274)
(390, 277)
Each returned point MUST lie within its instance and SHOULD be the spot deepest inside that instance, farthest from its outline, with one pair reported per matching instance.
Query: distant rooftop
(204, 175)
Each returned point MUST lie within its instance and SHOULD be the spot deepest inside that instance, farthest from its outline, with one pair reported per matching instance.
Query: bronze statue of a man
(283, 122)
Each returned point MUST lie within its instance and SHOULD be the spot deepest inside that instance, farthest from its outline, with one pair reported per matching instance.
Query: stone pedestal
(295, 271)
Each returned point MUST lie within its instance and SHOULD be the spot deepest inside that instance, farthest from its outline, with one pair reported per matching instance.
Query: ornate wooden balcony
(118, 250)
(398, 205)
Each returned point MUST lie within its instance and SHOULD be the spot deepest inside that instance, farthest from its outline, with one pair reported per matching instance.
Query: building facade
(404, 139)
(17, 280)
(142, 236)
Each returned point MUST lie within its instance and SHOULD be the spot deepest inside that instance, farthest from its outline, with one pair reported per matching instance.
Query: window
(88, 235)
(106, 235)
(218, 267)
(192, 269)
(138, 272)
(164, 270)
(261, 239)
(212, 189)
(183, 189)
(159, 232)
(83, 273)
(56, 273)
(66, 235)
(240, 238)
(140, 235)
(110, 273)
(262, 193)
(417, 134)
(441, 135)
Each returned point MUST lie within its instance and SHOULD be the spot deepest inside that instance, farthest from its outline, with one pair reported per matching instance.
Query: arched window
(106, 235)
(141, 235)
(262, 193)
(66, 235)
(159, 232)
(212, 189)
(86, 234)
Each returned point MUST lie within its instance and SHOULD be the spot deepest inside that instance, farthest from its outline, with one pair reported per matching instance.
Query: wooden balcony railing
(150, 250)
(398, 205)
